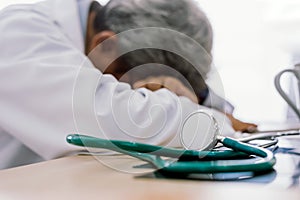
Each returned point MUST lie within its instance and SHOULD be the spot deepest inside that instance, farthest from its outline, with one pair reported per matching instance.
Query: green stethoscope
(242, 157)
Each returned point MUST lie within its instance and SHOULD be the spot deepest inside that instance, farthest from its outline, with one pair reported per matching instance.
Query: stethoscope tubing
(116, 145)
(142, 151)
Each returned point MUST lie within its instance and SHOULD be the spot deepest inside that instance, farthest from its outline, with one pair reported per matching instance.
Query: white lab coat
(49, 89)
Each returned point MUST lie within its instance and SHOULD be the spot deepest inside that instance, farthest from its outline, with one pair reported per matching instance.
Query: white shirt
(50, 89)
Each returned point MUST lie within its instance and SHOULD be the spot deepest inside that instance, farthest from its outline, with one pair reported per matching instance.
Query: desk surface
(84, 177)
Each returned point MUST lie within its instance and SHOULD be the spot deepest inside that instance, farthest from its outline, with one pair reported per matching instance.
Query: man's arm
(213, 100)
(171, 83)
(208, 97)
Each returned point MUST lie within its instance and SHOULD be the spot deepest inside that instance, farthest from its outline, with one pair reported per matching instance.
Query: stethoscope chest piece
(200, 131)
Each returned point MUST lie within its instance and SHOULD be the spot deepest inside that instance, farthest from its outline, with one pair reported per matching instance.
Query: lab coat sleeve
(139, 115)
(217, 102)
(49, 89)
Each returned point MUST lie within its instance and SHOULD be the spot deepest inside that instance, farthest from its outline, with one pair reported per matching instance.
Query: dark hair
(122, 15)
(99, 23)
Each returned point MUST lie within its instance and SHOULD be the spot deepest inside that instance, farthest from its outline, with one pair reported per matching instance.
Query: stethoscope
(238, 156)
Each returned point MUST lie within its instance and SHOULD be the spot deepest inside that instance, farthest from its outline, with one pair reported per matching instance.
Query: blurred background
(252, 43)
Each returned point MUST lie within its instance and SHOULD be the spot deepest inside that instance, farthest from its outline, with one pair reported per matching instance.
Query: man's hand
(171, 83)
(242, 126)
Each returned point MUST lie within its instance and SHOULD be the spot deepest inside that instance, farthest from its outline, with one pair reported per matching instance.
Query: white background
(248, 52)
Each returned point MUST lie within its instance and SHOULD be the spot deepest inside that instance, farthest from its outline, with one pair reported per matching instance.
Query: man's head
(183, 16)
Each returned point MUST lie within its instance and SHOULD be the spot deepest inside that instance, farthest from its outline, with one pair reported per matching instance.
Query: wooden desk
(84, 177)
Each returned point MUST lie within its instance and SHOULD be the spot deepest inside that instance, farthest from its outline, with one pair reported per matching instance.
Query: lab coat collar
(66, 14)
